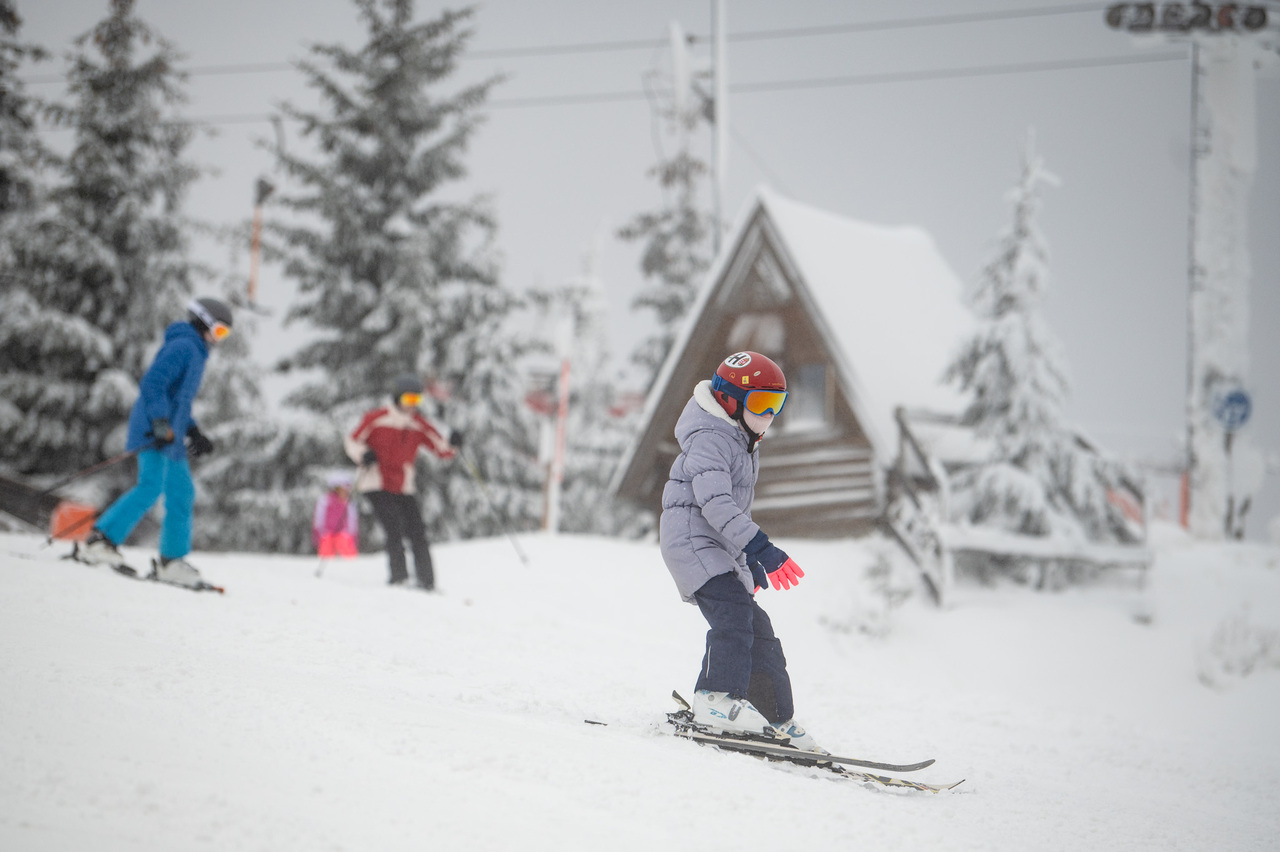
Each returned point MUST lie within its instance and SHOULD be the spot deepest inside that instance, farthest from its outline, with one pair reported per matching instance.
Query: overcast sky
(893, 124)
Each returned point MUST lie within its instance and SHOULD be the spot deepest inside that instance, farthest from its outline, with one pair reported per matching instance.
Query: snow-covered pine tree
(393, 274)
(256, 492)
(676, 244)
(1041, 479)
(21, 153)
(104, 266)
(22, 157)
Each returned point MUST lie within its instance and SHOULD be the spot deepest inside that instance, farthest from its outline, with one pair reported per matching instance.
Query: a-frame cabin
(862, 318)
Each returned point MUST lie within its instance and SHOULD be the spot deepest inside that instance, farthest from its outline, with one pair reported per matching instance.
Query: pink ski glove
(788, 574)
(783, 572)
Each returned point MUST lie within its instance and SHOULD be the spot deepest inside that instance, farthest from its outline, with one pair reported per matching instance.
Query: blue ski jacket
(168, 388)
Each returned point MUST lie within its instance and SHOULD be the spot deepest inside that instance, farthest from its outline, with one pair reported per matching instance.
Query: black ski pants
(401, 518)
(743, 655)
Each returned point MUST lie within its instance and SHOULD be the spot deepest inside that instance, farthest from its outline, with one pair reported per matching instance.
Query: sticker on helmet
(741, 359)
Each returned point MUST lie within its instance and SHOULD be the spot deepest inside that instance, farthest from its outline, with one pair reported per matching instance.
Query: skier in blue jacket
(160, 416)
(720, 558)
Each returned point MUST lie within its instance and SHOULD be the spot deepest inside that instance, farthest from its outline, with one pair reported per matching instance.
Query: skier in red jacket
(386, 445)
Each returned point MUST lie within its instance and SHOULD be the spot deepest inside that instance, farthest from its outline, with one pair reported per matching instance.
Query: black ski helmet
(204, 312)
(406, 383)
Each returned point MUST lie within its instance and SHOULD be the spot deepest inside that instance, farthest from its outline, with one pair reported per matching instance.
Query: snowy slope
(298, 713)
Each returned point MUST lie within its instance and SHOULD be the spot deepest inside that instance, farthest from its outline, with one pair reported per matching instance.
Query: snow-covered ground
(334, 713)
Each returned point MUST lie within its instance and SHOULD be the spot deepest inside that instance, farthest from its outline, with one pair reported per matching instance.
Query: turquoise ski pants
(157, 474)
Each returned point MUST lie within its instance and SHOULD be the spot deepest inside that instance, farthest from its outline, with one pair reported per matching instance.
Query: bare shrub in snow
(1236, 649)
(888, 581)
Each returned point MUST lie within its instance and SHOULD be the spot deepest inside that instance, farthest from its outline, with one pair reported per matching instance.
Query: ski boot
(97, 549)
(800, 738)
(177, 571)
(722, 712)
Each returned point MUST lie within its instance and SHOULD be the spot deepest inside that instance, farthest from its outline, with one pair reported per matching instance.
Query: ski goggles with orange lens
(758, 402)
(218, 329)
(410, 400)
(761, 402)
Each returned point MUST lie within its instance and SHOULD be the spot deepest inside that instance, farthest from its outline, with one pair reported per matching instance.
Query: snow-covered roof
(890, 306)
(886, 304)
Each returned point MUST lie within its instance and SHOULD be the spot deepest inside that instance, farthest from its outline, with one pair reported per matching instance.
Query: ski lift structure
(1229, 43)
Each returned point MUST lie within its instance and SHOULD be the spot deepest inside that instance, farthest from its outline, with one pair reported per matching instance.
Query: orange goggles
(410, 400)
(763, 402)
(218, 329)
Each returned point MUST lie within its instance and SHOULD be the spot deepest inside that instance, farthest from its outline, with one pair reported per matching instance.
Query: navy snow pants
(743, 656)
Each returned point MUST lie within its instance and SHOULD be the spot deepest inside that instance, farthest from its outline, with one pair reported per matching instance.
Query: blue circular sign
(1232, 410)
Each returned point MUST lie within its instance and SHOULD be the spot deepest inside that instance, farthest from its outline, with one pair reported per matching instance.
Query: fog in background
(891, 124)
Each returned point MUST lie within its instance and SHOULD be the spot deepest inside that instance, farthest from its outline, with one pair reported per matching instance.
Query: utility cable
(646, 44)
(777, 85)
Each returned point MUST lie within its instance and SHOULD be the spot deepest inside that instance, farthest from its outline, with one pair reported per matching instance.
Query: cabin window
(807, 398)
(759, 332)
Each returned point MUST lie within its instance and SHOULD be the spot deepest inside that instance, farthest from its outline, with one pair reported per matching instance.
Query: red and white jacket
(395, 435)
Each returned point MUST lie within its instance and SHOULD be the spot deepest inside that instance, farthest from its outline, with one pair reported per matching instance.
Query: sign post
(1232, 409)
(1227, 42)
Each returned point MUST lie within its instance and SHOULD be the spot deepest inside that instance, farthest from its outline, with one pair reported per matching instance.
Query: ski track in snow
(298, 713)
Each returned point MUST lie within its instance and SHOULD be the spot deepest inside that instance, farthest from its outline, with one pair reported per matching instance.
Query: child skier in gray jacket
(719, 558)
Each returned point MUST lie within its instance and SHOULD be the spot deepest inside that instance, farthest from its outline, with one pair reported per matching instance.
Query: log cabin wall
(818, 474)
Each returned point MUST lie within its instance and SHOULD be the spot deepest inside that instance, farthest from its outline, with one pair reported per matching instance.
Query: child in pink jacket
(336, 525)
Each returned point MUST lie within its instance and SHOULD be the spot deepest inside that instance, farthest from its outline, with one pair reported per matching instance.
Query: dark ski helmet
(406, 383)
(749, 380)
(406, 390)
(210, 315)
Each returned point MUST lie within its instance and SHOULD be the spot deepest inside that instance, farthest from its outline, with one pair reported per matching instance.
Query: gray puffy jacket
(706, 504)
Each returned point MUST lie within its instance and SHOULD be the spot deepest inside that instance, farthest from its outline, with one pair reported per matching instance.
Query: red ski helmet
(750, 380)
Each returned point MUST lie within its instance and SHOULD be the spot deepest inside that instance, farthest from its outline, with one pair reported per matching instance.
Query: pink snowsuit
(336, 525)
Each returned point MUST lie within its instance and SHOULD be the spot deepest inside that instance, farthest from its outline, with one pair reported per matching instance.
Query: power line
(649, 44)
(911, 23)
(863, 79)
(783, 85)
(953, 73)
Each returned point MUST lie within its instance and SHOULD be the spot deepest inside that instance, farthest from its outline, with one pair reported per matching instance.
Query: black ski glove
(198, 442)
(369, 458)
(455, 440)
(162, 432)
(758, 576)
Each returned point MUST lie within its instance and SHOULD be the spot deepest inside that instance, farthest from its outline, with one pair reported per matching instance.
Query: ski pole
(92, 469)
(475, 474)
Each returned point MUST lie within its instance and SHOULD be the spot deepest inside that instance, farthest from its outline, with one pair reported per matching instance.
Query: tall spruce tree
(256, 492)
(1042, 479)
(676, 244)
(21, 153)
(393, 275)
(22, 189)
(104, 264)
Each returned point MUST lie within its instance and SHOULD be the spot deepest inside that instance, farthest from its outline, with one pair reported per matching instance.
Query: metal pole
(720, 151)
(562, 440)
(1192, 284)
(262, 192)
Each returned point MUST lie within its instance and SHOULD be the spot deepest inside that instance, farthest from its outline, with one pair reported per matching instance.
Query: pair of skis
(778, 750)
(126, 570)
